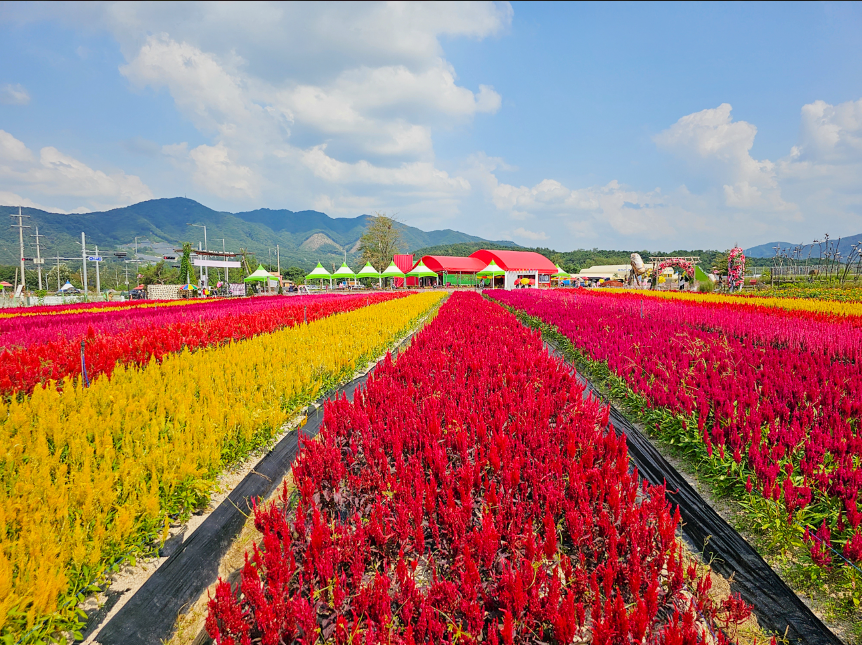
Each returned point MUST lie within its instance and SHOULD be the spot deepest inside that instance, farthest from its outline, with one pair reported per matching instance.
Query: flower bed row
(468, 494)
(831, 307)
(80, 307)
(39, 351)
(89, 476)
(779, 416)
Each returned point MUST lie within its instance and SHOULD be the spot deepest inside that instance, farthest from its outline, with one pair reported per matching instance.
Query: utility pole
(205, 249)
(277, 259)
(58, 273)
(136, 248)
(20, 226)
(84, 261)
(223, 259)
(202, 269)
(98, 283)
(39, 260)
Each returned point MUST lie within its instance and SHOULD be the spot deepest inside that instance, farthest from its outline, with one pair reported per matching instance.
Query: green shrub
(705, 286)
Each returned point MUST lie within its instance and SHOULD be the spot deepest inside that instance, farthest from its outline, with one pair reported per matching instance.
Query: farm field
(766, 400)
(91, 476)
(468, 493)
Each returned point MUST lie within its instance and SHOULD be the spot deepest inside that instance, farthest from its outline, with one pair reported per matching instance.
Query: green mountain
(304, 238)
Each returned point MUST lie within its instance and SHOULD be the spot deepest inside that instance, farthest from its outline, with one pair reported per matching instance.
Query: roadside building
(605, 272)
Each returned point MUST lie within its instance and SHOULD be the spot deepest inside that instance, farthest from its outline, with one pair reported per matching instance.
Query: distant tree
(186, 270)
(380, 241)
(719, 263)
(51, 276)
(158, 273)
(295, 274)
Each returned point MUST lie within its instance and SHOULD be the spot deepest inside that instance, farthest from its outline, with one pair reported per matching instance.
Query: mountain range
(160, 225)
(768, 250)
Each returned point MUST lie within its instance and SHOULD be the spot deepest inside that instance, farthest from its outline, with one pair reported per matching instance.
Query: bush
(705, 286)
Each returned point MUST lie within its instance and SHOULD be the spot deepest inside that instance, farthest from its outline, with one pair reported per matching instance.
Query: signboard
(120, 254)
(94, 258)
(38, 260)
(169, 257)
(219, 264)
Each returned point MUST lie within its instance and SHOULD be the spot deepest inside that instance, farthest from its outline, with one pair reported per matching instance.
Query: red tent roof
(517, 260)
(441, 263)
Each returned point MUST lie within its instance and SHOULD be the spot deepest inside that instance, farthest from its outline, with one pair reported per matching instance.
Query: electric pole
(39, 261)
(277, 259)
(20, 226)
(84, 261)
(98, 283)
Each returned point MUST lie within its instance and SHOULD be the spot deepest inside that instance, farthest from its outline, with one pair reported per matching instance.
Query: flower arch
(735, 267)
(686, 266)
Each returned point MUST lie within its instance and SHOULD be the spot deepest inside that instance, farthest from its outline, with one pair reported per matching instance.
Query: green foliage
(186, 271)
(705, 286)
(381, 241)
(295, 274)
(159, 273)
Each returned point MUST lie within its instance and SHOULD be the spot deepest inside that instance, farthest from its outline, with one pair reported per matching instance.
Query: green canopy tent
(393, 271)
(491, 271)
(344, 271)
(421, 271)
(369, 271)
(560, 274)
(261, 275)
(319, 273)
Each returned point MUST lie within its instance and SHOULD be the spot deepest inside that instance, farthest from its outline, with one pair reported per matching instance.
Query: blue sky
(565, 125)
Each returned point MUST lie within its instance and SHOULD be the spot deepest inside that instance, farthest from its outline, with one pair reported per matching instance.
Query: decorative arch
(687, 266)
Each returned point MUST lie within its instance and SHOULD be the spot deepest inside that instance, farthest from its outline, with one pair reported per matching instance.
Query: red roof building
(517, 261)
(447, 264)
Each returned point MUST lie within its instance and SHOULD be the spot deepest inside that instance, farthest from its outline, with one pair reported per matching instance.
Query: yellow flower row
(118, 307)
(790, 304)
(89, 475)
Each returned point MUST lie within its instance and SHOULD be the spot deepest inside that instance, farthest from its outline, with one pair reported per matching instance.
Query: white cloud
(308, 42)
(421, 175)
(217, 173)
(13, 151)
(533, 236)
(14, 94)
(55, 173)
(831, 133)
(11, 199)
(721, 146)
(310, 99)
